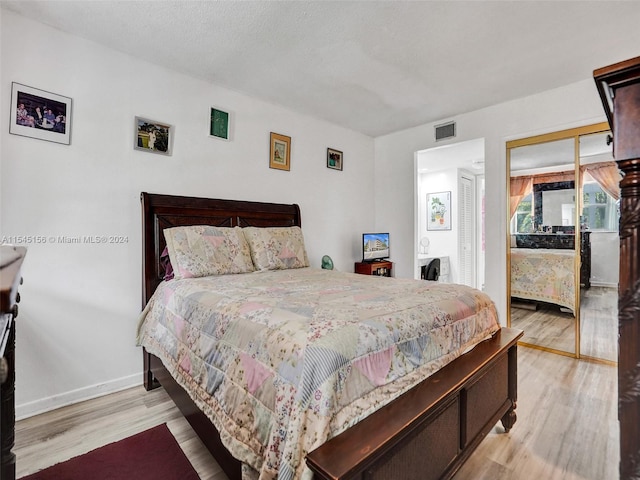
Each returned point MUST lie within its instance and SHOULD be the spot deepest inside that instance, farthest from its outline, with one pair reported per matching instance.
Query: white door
(466, 231)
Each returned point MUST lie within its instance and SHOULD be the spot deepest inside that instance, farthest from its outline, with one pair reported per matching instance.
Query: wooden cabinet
(585, 259)
(382, 268)
(619, 88)
(10, 264)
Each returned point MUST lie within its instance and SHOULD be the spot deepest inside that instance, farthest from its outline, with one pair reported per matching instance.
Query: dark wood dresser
(11, 259)
(619, 89)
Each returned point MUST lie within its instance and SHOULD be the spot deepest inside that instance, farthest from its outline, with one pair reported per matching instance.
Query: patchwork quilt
(544, 274)
(283, 360)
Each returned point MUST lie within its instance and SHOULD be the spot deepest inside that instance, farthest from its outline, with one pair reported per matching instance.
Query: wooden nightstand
(383, 268)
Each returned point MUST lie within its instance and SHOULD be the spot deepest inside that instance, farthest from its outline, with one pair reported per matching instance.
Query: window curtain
(520, 188)
(606, 174)
(554, 177)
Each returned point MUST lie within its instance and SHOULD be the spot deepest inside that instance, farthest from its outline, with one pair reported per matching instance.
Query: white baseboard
(69, 398)
(604, 284)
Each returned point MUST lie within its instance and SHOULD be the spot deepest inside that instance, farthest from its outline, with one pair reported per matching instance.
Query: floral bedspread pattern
(542, 274)
(283, 360)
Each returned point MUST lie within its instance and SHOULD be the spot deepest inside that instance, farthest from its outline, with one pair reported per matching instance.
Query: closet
(563, 251)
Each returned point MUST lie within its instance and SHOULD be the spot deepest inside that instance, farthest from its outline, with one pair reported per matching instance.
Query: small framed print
(334, 159)
(439, 211)
(154, 137)
(280, 152)
(219, 124)
(40, 114)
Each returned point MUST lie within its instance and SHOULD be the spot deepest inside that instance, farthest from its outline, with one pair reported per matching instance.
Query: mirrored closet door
(556, 208)
(542, 245)
(600, 186)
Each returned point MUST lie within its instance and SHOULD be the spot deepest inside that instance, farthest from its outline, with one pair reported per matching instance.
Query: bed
(544, 275)
(402, 417)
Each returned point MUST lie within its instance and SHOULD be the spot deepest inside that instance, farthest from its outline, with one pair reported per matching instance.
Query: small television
(375, 246)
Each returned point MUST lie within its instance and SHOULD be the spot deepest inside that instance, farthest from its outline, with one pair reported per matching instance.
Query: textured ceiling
(374, 67)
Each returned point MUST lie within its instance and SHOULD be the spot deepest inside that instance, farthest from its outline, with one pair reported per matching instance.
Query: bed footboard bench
(425, 434)
(431, 430)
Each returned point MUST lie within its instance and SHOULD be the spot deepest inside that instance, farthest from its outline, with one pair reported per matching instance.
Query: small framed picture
(439, 211)
(219, 124)
(152, 136)
(334, 159)
(280, 152)
(40, 114)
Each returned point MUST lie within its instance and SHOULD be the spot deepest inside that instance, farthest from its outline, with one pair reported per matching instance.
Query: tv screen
(375, 246)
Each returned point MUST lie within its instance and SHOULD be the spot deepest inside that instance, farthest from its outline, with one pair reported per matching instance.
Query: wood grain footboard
(431, 430)
(427, 433)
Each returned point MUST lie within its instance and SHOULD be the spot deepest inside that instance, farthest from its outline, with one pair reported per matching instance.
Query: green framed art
(219, 124)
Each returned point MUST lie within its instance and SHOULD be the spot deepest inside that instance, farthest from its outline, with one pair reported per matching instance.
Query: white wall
(80, 305)
(605, 259)
(570, 106)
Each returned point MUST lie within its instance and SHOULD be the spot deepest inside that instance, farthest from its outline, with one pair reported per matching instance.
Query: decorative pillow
(276, 248)
(201, 250)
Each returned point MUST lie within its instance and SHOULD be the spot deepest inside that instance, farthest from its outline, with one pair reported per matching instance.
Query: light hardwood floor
(599, 323)
(546, 326)
(56, 436)
(566, 429)
(549, 327)
(567, 424)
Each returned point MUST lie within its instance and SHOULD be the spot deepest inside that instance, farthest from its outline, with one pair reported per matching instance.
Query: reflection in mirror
(600, 213)
(543, 285)
(555, 204)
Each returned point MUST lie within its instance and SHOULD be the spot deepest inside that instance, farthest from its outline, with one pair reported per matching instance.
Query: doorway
(452, 174)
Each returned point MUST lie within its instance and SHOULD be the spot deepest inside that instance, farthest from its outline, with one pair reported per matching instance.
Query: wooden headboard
(165, 211)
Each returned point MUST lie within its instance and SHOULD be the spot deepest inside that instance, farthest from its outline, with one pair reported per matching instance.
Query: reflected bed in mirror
(545, 276)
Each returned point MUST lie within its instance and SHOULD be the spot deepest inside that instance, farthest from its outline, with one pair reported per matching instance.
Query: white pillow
(276, 248)
(202, 250)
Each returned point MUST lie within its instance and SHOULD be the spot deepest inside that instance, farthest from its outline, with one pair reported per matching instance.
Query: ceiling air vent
(445, 130)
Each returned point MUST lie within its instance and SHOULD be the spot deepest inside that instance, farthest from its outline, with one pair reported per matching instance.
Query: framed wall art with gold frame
(280, 152)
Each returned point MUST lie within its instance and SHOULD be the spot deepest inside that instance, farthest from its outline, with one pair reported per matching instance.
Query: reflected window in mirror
(554, 206)
(600, 183)
(522, 221)
(600, 211)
